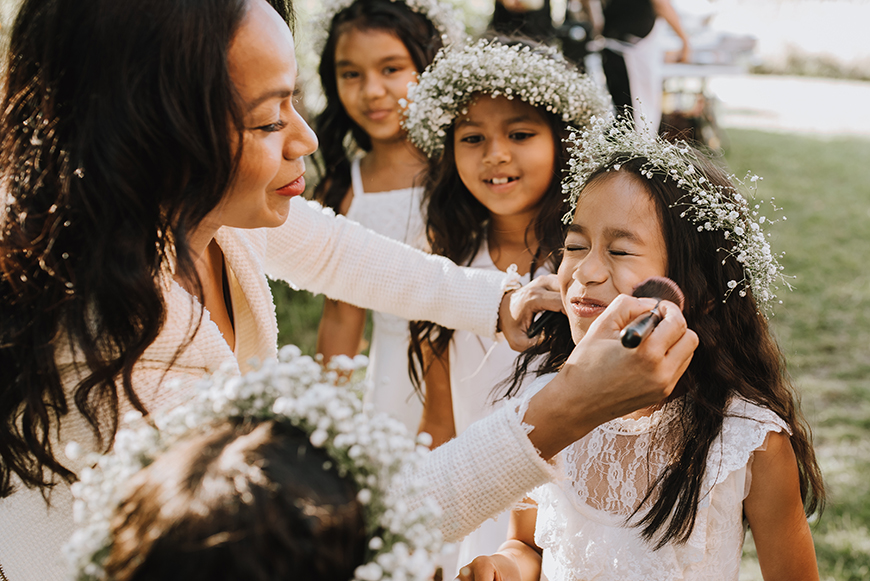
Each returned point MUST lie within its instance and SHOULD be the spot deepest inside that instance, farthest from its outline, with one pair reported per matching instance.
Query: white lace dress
(477, 366)
(396, 214)
(581, 515)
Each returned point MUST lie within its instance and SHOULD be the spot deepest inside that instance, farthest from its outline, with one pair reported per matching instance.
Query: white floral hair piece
(443, 16)
(541, 77)
(373, 450)
(608, 143)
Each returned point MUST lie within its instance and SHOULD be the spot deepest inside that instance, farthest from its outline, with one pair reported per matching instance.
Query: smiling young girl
(664, 493)
(373, 49)
(492, 117)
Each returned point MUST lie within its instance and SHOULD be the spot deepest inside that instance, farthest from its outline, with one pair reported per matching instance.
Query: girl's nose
(591, 269)
(373, 88)
(301, 139)
(497, 151)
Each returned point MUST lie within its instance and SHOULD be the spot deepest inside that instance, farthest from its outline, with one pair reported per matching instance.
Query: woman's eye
(272, 127)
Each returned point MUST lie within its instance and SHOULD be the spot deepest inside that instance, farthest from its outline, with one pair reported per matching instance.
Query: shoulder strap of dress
(356, 178)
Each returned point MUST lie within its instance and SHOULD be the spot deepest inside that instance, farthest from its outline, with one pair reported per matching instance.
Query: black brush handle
(640, 328)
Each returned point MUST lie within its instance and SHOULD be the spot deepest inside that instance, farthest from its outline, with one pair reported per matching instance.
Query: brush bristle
(660, 287)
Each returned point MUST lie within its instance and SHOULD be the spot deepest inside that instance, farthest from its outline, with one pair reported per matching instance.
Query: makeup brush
(657, 287)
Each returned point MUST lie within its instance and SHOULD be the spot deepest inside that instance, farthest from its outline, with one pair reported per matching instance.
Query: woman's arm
(518, 559)
(341, 259)
(776, 516)
(500, 458)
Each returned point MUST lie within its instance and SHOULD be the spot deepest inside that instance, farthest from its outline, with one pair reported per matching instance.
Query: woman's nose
(301, 139)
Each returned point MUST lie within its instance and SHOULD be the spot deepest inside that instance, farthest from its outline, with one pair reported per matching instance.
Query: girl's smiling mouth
(587, 307)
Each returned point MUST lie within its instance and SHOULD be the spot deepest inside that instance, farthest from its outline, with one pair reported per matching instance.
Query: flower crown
(709, 206)
(442, 15)
(540, 77)
(374, 450)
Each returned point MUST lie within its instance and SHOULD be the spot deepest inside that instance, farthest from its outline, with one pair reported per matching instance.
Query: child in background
(245, 500)
(274, 475)
(492, 117)
(664, 493)
(372, 50)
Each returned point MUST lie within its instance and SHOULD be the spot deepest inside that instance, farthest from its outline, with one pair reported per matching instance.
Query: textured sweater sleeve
(326, 254)
(487, 469)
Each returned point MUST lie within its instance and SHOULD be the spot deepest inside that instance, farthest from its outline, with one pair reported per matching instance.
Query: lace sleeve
(490, 467)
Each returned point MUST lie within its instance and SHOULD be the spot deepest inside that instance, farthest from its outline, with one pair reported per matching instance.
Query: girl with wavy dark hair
(373, 49)
(665, 492)
(494, 201)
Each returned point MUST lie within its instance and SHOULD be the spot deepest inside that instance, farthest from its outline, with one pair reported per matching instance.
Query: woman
(146, 147)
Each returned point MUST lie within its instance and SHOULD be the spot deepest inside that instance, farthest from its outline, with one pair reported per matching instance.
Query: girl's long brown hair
(456, 224)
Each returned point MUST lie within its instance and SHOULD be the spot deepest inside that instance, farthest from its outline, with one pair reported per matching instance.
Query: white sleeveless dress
(581, 515)
(398, 215)
(478, 365)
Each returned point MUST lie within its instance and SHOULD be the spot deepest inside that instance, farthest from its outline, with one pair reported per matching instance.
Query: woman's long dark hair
(116, 134)
(333, 125)
(736, 356)
(456, 225)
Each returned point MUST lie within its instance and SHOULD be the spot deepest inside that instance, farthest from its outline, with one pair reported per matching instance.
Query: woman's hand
(518, 309)
(603, 380)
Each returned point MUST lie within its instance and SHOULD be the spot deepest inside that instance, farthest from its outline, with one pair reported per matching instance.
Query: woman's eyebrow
(282, 93)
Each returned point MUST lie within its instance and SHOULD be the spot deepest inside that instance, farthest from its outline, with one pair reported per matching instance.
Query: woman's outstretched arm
(339, 258)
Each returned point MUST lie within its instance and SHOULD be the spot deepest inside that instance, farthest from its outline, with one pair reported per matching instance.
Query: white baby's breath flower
(709, 207)
(441, 14)
(373, 450)
(539, 77)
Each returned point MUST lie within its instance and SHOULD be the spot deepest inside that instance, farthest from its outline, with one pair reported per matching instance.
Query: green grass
(823, 325)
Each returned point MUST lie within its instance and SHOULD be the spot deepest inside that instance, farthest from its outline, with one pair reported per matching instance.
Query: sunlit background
(795, 111)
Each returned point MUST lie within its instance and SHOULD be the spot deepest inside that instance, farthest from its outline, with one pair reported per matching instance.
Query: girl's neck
(512, 240)
(391, 165)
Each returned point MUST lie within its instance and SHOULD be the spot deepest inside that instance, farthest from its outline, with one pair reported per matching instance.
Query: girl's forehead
(617, 195)
(486, 105)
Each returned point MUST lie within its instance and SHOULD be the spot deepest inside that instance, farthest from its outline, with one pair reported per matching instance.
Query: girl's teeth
(499, 181)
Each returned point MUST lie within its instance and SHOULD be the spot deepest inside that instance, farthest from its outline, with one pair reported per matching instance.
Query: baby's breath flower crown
(373, 450)
(441, 14)
(709, 206)
(540, 77)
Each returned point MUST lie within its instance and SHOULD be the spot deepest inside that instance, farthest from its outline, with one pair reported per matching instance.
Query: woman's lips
(587, 308)
(294, 188)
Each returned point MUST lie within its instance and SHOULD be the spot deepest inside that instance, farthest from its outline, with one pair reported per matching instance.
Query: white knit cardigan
(323, 254)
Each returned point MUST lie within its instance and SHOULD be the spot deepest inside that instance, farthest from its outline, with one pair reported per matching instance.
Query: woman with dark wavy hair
(150, 159)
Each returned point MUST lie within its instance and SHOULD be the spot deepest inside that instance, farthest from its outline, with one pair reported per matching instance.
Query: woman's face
(262, 66)
(372, 70)
(614, 243)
